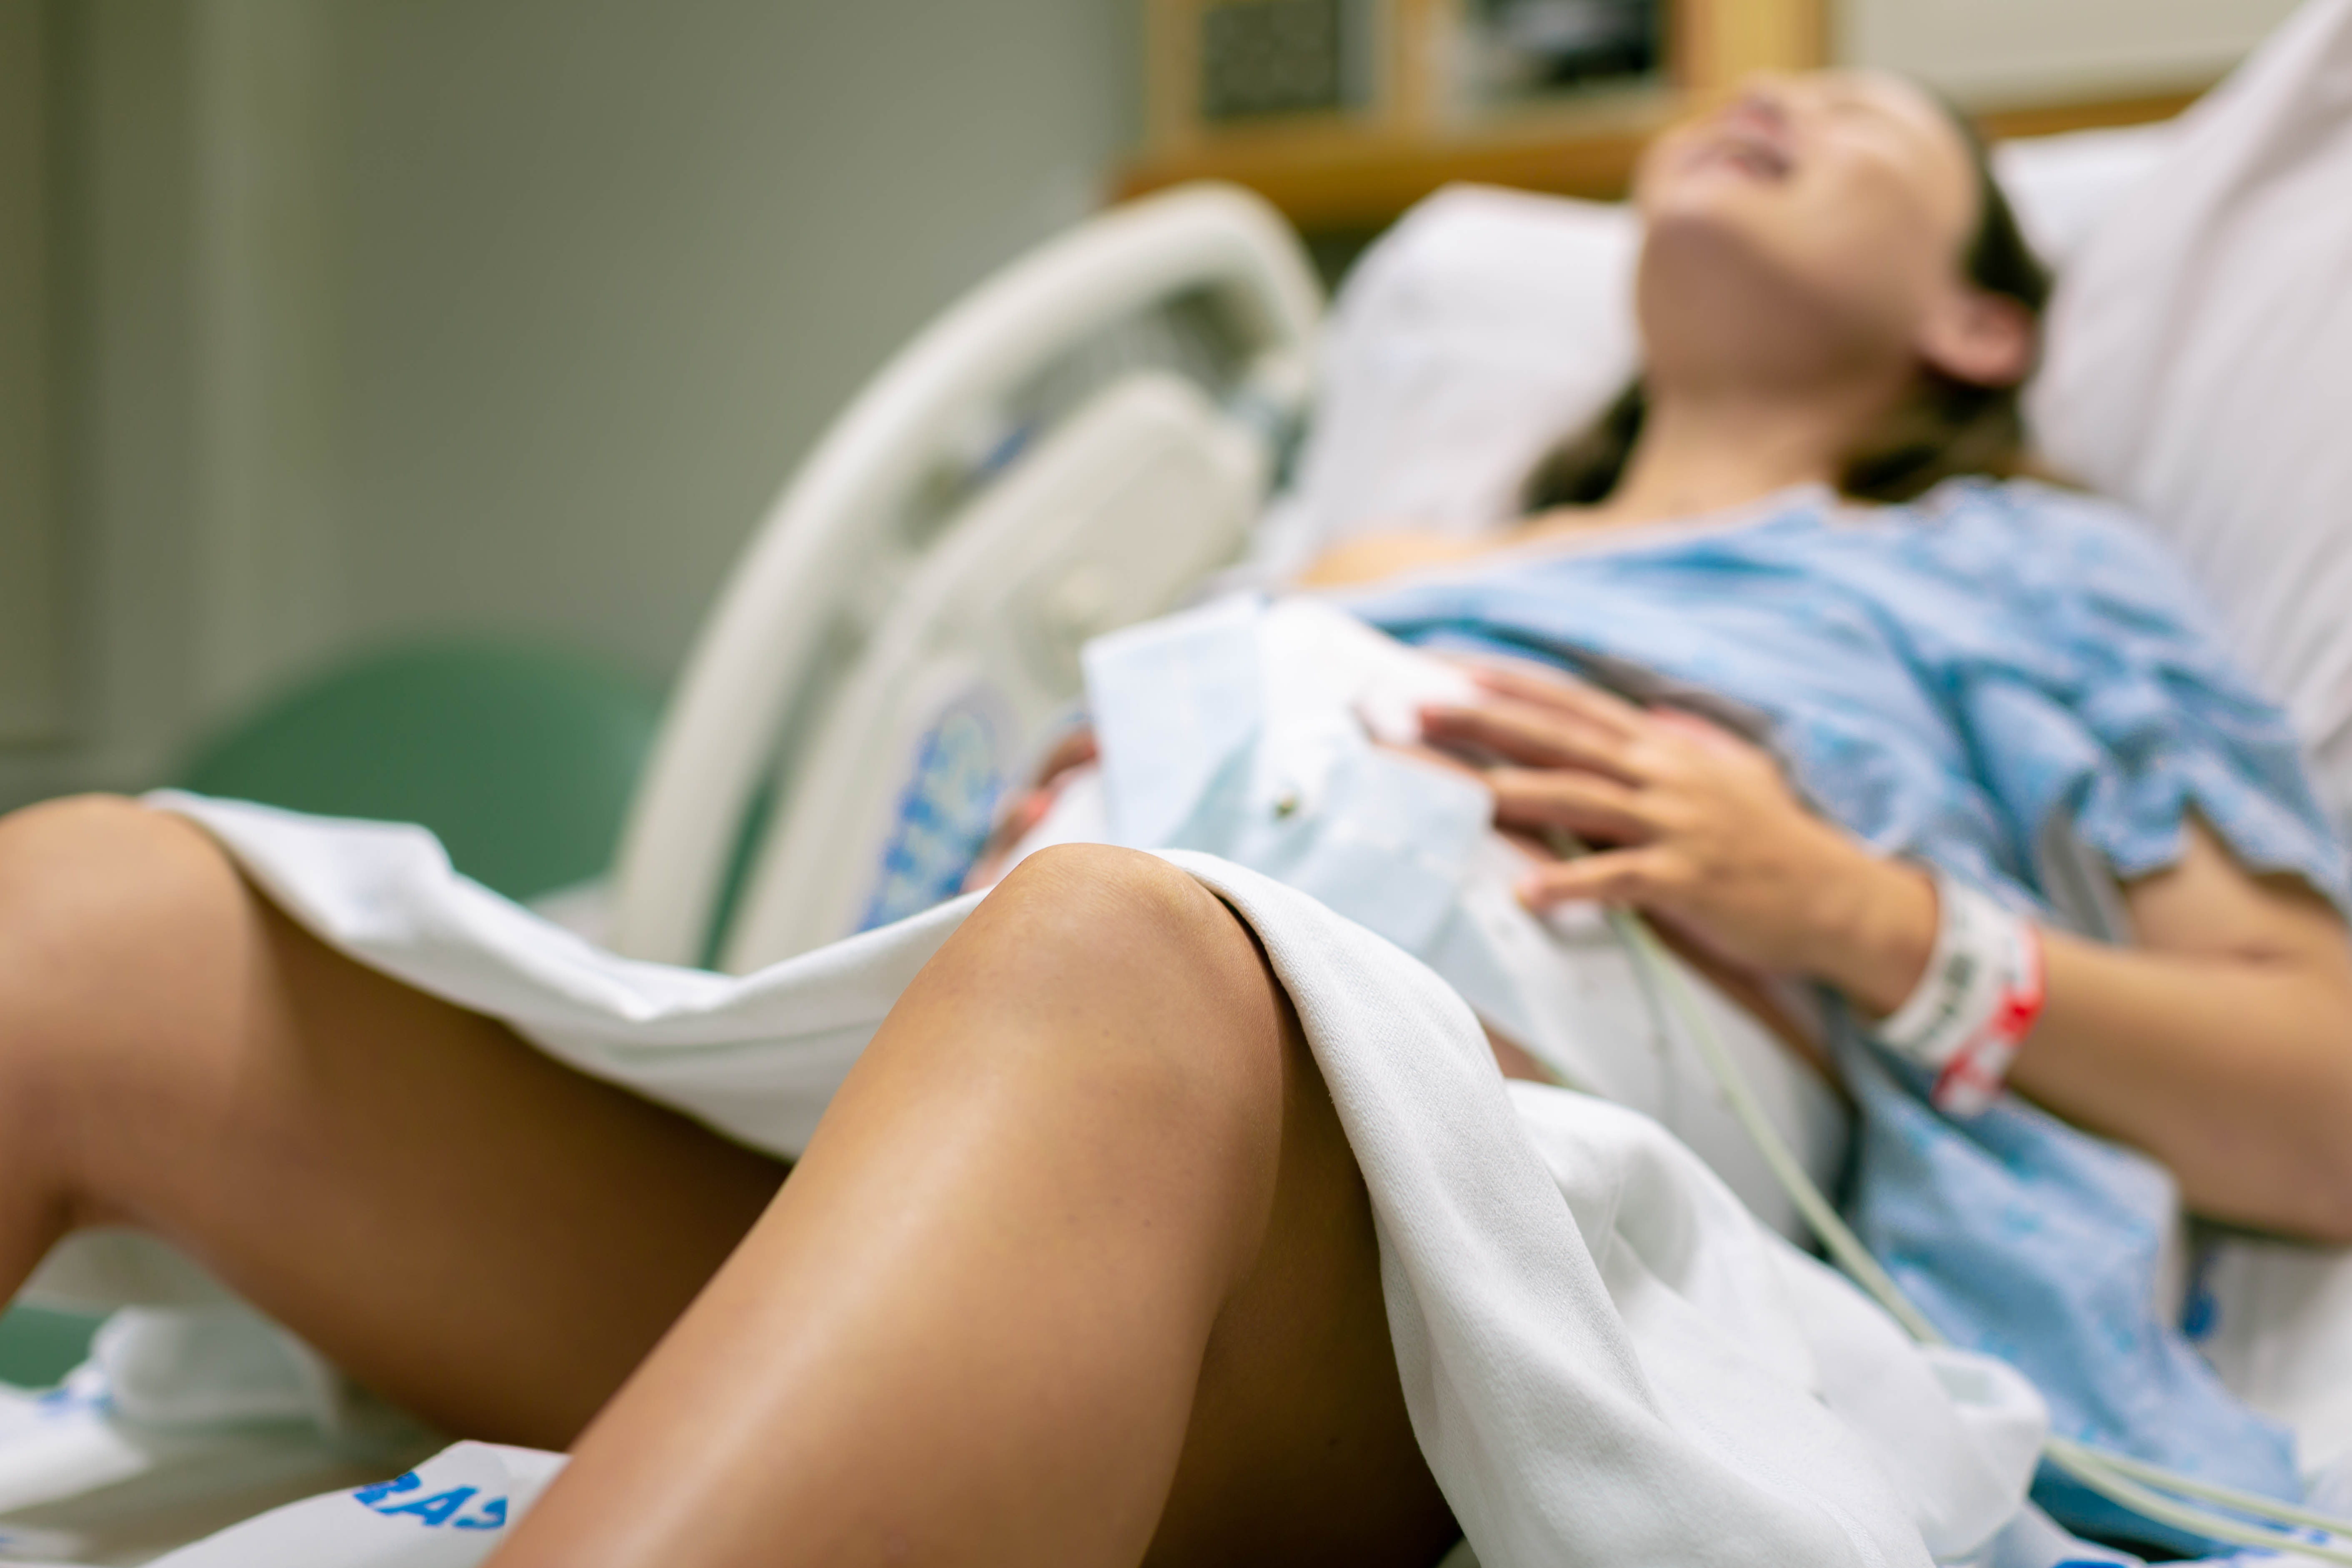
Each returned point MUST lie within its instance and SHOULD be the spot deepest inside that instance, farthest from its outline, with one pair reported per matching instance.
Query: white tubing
(1844, 1246)
(2134, 1484)
(2091, 1467)
(2188, 1486)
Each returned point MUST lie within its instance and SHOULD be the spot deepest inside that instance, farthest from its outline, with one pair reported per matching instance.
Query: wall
(402, 315)
(32, 666)
(118, 116)
(615, 262)
(1996, 53)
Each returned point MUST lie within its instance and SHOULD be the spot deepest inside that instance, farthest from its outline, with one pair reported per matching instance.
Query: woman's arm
(2222, 1045)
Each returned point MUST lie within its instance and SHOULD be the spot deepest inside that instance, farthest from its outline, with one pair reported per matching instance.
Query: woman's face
(1814, 215)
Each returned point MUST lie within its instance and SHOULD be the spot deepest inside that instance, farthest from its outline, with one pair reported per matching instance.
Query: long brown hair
(1946, 427)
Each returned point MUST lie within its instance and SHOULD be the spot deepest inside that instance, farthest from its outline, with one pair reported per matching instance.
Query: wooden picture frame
(1355, 173)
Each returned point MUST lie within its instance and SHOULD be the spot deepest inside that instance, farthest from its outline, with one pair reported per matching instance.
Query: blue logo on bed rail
(943, 818)
(448, 1507)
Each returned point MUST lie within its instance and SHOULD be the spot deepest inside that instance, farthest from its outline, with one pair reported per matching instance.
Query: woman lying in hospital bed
(1167, 1217)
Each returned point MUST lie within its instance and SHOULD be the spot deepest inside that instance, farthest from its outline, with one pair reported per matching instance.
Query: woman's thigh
(471, 1228)
(1300, 1450)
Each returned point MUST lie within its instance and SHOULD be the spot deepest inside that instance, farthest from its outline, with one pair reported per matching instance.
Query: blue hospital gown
(1948, 679)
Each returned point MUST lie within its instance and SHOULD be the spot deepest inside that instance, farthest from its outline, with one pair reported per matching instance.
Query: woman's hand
(1692, 825)
(1073, 751)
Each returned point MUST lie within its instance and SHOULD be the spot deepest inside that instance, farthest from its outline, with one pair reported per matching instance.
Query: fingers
(1644, 875)
(1706, 731)
(1544, 687)
(1430, 756)
(1027, 810)
(1074, 749)
(1586, 805)
(1536, 736)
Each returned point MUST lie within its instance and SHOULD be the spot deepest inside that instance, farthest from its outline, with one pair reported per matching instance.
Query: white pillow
(2064, 188)
(1479, 330)
(2200, 367)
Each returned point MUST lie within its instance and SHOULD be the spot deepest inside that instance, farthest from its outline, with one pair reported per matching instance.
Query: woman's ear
(1979, 337)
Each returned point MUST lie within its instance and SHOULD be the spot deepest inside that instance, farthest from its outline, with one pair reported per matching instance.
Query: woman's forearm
(2226, 1052)
(2235, 1070)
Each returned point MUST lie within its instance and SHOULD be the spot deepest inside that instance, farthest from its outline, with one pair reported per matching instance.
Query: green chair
(521, 759)
(39, 1345)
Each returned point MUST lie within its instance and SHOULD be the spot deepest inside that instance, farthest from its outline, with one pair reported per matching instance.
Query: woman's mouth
(1759, 157)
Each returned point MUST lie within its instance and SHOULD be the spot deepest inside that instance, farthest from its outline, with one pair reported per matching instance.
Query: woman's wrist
(1877, 930)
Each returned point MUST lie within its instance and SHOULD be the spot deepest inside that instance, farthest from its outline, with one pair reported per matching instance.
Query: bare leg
(1079, 1267)
(473, 1230)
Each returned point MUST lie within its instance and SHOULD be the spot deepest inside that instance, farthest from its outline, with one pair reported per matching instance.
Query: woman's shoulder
(2048, 546)
(1358, 563)
(2053, 515)
(2048, 532)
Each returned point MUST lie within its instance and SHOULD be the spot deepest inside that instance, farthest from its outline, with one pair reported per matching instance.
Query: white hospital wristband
(1973, 1007)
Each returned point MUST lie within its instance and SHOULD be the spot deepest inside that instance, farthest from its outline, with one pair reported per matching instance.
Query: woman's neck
(1701, 453)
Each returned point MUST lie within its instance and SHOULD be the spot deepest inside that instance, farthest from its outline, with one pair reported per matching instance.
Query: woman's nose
(1762, 98)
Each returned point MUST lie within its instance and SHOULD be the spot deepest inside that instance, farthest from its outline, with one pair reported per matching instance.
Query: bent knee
(97, 887)
(72, 850)
(1123, 886)
(1166, 962)
(1124, 910)
(84, 823)
(116, 922)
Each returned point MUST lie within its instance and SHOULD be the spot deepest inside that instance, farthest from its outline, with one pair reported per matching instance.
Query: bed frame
(903, 628)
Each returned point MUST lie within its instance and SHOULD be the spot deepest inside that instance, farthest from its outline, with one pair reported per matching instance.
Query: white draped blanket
(1605, 1359)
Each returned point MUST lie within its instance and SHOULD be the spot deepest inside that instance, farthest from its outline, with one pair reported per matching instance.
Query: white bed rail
(829, 541)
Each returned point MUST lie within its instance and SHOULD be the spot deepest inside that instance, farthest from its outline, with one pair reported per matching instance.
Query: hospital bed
(1072, 448)
(1078, 444)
